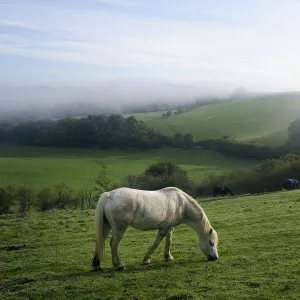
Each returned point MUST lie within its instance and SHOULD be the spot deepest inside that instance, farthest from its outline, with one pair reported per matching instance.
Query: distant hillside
(105, 97)
(265, 118)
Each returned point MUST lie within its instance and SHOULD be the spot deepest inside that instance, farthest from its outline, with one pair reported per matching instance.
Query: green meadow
(44, 167)
(48, 255)
(265, 119)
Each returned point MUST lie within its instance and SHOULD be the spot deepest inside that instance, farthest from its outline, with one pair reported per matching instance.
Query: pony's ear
(210, 231)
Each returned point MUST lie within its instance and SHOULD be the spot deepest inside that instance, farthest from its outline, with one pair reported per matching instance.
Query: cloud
(118, 2)
(226, 42)
(19, 24)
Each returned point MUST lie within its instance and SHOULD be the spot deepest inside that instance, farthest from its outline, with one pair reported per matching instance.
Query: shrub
(84, 197)
(267, 177)
(164, 168)
(6, 199)
(25, 197)
(63, 196)
(159, 175)
(45, 199)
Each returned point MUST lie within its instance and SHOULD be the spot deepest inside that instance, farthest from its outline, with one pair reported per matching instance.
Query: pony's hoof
(120, 268)
(97, 269)
(146, 261)
(169, 258)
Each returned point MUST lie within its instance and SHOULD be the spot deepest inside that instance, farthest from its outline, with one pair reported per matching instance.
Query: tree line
(103, 131)
(22, 199)
(60, 196)
(293, 143)
(232, 147)
(116, 131)
(267, 177)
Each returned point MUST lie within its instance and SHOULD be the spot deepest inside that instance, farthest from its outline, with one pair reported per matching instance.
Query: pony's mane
(195, 204)
(204, 219)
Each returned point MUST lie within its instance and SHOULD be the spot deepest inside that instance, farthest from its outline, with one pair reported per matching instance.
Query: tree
(161, 174)
(164, 168)
(116, 122)
(6, 199)
(85, 133)
(293, 144)
(84, 197)
(294, 130)
(104, 131)
(167, 114)
(188, 140)
(102, 182)
(63, 196)
(179, 111)
(45, 199)
(25, 197)
(178, 139)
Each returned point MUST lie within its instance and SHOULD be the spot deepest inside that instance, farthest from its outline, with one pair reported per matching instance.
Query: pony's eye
(211, 243)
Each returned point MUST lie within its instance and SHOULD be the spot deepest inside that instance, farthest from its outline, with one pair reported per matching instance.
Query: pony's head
(209, 244)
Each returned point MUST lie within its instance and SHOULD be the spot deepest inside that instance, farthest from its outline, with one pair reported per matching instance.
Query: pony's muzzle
(212, 257)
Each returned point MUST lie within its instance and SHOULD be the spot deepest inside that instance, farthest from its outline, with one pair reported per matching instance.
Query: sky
(254, 44)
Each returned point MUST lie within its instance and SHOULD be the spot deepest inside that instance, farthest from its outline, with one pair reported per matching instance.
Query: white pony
(149, 210)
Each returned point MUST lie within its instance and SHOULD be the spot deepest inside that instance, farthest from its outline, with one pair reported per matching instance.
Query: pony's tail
(99, 226)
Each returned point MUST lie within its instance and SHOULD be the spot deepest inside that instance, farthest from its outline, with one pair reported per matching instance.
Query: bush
(5, 203)
(84, 197)
(102, 184)
(25, 197)
(267, 177)
(164, 168)
(60, 196)
(6, 199)
(159, 175)
(63, 196)
(45, 199)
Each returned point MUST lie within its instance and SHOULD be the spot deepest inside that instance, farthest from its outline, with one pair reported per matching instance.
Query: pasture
(48, 255)
(44, 167)
(265, 119)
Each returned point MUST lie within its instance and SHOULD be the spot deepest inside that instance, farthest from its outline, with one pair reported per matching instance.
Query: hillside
(43, 167)
(48, 255)
(265, 119)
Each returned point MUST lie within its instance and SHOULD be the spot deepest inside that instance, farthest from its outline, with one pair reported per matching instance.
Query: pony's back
(145, 210)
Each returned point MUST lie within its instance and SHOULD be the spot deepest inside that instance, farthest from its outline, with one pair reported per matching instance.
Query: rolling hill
(264, 119)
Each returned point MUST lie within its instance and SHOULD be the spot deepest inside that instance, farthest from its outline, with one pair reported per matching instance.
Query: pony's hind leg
(96, 263)
(96, 260)
(160, 235)
(117, 234)
(167, 254)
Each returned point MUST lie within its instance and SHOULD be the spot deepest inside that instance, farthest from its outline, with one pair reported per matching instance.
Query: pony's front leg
(167, 254)
(160, 235)
(117, 235)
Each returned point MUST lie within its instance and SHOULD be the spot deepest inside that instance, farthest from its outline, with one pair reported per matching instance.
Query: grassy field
(265, 119)
(44, 167)
(48, 256)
